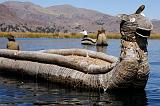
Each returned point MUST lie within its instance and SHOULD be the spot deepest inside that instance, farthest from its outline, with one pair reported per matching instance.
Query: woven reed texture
(64, 61)
(63, 75)
(52, 68)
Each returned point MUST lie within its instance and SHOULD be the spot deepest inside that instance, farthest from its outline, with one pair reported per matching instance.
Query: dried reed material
(114, 79)
(83, 52)
(88, 60)
(61, 60)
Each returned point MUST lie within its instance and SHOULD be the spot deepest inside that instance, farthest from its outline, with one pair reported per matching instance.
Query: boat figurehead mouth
(143, 32)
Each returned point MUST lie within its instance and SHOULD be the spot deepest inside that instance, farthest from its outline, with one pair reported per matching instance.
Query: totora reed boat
(100, 41)
(89, 69)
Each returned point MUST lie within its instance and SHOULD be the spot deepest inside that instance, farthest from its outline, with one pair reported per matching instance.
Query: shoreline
(65, 35)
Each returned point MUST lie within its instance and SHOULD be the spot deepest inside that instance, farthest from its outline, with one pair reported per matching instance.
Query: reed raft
(69, 66)
(88, 41)
(100, 41)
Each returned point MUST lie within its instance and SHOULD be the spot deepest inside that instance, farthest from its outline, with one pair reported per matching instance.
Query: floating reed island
(82, 68)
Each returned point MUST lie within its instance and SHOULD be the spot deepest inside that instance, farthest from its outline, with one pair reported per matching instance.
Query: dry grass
(155, 36)
(64, 35)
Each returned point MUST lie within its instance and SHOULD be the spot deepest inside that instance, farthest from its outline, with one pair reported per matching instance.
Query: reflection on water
(88, 47)
(26, 92)
(155, 63)
(102, 49)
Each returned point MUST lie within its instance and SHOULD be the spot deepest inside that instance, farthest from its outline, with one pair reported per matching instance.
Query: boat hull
(52, 65)
(88, 41)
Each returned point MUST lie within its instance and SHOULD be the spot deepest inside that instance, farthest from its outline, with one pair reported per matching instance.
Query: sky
(111, 7)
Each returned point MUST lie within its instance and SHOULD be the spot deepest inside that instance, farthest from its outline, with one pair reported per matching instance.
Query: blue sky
(111, 7)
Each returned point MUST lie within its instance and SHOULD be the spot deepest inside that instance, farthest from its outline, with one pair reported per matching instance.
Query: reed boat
(88, 41)
(82, 68)
(101, 38)
(100, 41)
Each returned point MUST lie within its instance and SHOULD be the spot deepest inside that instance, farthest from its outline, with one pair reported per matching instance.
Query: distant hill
(28, 17)
(156, 26)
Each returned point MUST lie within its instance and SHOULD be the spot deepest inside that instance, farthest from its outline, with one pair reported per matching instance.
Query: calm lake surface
(22, 92)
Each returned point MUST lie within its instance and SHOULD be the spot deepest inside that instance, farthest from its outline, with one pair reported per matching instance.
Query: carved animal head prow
(135, 25)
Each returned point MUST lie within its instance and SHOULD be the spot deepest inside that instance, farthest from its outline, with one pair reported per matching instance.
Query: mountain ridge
(29, 17)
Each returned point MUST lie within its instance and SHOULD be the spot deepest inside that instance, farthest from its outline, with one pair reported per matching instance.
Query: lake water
(22, 92)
